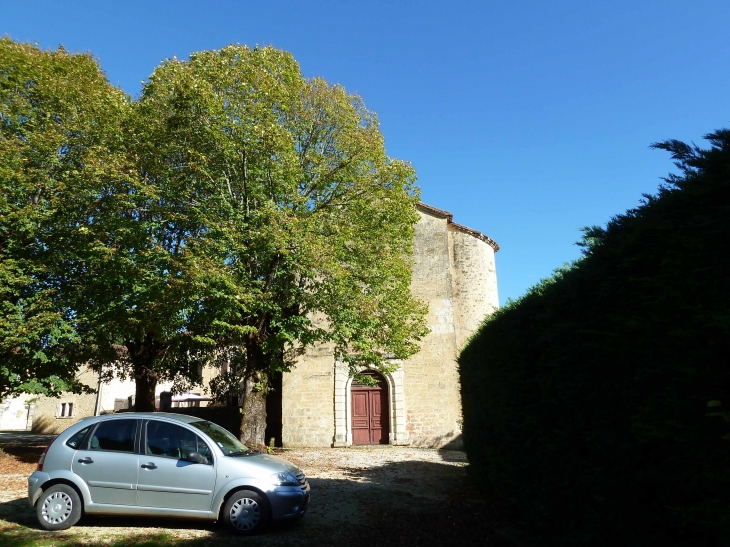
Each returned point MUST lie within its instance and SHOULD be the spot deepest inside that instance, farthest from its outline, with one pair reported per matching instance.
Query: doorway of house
(370, 411)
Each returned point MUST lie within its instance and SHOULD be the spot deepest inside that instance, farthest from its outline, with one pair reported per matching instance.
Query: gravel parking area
(360, 496)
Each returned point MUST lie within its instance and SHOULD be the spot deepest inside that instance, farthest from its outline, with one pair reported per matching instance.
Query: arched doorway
(370, 411)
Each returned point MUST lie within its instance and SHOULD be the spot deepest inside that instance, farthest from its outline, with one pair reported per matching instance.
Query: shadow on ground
(405, 503)
(24, 438)
(23, 454)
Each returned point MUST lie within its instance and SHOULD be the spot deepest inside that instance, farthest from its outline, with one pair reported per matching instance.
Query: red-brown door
(370, 413)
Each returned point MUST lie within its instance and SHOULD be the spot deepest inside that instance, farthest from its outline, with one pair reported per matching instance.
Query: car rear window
(77, 438)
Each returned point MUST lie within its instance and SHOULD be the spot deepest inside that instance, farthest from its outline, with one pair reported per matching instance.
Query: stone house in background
(51, 415)
(317, 403)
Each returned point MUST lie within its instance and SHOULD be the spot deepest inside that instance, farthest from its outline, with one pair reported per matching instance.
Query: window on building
(65, 410)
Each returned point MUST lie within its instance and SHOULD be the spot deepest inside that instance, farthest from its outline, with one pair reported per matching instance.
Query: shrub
(586, 400)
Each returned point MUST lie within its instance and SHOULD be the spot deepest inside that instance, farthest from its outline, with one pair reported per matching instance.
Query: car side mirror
(196, 457)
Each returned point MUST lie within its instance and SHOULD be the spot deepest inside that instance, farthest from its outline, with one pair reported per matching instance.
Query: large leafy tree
(95, 268)
(135, 271)
(305, 222)
(133, 277)
(236, 213)
(58, 116)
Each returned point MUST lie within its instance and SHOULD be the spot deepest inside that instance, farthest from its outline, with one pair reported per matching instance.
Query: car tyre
(58, 508)
(246, 513)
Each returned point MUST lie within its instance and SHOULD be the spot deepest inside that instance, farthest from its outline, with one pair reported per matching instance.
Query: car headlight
(284, 479)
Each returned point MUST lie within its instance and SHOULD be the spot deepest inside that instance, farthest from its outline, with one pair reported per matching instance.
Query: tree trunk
(145, 380)
(143, 352)
(253, 419)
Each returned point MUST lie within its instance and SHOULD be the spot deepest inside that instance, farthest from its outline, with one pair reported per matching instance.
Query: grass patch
(22, 536)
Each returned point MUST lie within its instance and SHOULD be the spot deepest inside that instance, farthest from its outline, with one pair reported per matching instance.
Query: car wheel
(246, 512)
(58, 508)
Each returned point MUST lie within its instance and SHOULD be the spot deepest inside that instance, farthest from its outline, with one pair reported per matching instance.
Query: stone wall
(431, 381)
(48, 418)
(474, 277)
(308, 400)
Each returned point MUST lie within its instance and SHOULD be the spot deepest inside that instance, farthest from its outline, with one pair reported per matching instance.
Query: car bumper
(289, 502)
(35, 482)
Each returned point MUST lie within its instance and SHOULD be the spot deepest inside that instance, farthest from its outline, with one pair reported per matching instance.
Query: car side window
(114, 435)
(204, 450)
(172, 441)
(193, 443)
(77, 438)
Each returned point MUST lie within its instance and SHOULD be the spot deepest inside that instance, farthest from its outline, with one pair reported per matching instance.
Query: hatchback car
(162, 465)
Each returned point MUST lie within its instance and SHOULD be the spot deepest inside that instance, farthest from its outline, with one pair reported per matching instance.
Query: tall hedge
(594, 405)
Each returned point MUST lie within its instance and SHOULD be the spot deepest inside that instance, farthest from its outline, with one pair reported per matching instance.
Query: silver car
(162, 465)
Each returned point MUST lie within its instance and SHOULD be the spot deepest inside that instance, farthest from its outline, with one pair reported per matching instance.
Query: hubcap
(57, 507)
(245, 514)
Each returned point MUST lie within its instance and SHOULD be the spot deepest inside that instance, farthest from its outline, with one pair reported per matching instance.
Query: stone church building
(319, 405)
(419, 404)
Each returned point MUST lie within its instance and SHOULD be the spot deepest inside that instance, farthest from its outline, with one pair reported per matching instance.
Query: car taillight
(43, 457)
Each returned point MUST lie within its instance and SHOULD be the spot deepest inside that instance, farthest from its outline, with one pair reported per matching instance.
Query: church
(419, 404)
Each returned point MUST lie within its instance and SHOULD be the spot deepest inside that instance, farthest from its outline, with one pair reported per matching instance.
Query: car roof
(183, 418)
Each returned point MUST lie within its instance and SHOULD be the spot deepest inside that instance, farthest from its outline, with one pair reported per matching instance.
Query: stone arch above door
(343, 407)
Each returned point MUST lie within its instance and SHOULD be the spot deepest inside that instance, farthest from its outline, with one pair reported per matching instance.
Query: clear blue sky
(527, 119)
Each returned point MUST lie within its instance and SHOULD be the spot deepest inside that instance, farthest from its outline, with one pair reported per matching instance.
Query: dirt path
(360, 496)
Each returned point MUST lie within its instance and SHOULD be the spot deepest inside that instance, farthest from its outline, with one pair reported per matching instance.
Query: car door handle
(86, 460)
(149, 466)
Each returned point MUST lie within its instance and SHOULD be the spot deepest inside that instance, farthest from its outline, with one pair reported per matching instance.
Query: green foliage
(585, 401)
(55, 110)
(236, 213)
(308, 223)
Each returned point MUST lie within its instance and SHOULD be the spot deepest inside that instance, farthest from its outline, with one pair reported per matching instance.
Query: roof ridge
(450, 221)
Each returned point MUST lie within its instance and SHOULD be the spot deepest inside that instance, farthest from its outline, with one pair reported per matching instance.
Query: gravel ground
(360, 496)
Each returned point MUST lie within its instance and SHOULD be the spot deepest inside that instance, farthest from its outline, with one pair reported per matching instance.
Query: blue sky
(526, 119)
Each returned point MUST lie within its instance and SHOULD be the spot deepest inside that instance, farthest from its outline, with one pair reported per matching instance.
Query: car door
(108, 462)
(166, 478)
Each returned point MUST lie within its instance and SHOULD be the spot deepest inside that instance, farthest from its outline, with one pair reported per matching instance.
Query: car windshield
(225, 441)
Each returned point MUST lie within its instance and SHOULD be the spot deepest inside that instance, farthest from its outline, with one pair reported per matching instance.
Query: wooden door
(370, 413)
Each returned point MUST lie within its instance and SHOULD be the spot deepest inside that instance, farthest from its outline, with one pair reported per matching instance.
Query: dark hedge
(586, 400)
